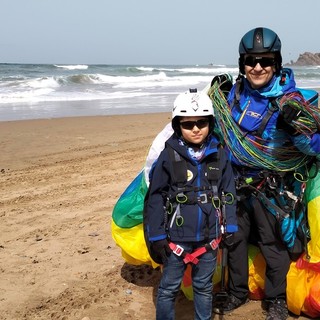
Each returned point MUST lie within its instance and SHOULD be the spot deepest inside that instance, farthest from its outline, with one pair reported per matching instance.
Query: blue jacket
(253, 107)
(200, 220)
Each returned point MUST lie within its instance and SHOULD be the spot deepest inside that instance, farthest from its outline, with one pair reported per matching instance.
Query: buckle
(203, 198)
(178, 250)
(214, 244)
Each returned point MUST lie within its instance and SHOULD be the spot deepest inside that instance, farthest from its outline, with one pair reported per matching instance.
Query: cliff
(307, 59)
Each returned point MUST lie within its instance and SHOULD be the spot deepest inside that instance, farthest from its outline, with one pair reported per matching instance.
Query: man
(269, 147)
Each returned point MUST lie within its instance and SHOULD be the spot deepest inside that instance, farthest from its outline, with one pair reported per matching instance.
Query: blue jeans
(172, 274)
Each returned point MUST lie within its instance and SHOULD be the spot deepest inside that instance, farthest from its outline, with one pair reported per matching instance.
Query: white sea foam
(73, 67)
(33, 91)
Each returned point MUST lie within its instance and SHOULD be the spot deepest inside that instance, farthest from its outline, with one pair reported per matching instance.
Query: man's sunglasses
(263, 61)
(189, 125)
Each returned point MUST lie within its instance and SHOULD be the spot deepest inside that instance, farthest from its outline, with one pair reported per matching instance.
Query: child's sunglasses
(189, 125)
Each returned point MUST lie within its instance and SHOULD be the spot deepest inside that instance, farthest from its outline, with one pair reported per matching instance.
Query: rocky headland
(307, 59)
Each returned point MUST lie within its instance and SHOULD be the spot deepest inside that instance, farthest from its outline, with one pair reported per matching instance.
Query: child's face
(194, 129)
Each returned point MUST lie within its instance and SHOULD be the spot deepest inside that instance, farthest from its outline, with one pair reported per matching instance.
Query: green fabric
(128, 211)
(313, 185)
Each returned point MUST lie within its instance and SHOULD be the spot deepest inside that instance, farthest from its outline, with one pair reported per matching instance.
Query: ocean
(35, 91)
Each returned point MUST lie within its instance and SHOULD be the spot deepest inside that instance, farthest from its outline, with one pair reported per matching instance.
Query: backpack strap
(179, 166)
(179, 172)
(214, 175)
(272, 108)
(238, 89)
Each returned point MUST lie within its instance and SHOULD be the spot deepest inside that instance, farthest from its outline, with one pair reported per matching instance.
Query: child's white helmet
(192, 103)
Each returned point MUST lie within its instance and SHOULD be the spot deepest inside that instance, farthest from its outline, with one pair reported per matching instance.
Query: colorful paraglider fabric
(313, 201)
(127, 215)
(303, 291)
(303, 288)
(257, 268)
(156, 147)
(126, 225)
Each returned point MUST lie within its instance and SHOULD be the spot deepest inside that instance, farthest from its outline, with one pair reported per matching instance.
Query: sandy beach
(59, 181)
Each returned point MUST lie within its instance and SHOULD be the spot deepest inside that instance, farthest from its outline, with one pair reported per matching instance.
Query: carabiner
(231, 196)
(181, 198)
(299, 177)
(214, 200)
(179, 221)
(169, 208)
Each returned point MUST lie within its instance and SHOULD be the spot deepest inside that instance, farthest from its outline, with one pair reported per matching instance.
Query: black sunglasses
(263, 61)
(189, 125)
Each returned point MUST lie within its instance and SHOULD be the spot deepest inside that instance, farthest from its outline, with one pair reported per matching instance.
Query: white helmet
(191, 103)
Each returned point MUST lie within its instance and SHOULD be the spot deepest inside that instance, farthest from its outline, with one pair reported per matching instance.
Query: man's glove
(288, 114)
(224, 81)
(161, 249)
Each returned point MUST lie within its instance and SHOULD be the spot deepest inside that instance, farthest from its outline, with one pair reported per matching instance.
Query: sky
(142, 32)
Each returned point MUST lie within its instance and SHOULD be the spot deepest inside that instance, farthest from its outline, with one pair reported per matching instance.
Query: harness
(179, 195)
(272, 184)
(180, 178)
(271, 189)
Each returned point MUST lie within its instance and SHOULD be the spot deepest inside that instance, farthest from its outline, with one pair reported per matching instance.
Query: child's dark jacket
(200, 219)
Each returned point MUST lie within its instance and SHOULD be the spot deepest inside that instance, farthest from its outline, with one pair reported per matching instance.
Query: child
(183, 209)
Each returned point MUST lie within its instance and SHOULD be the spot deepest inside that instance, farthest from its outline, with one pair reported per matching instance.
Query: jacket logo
(254, 114)
(189, 175)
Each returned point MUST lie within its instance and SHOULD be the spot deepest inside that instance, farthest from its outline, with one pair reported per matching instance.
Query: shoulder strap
(179, 167)
(213, 168)
(236, 99)
(214, 174)
(272, 108)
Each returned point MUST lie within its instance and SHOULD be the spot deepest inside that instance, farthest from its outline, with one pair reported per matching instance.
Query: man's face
(259, 68)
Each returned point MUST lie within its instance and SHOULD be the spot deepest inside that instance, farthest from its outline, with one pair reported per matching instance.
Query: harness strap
(179, 166)
(236, 100)
(193, 256)
(273, 107)
(263, 197)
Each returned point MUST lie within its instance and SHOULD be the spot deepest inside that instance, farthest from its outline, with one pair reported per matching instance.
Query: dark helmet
(260, 40)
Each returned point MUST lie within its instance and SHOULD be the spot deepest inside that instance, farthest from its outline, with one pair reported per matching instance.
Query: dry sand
(59, 181)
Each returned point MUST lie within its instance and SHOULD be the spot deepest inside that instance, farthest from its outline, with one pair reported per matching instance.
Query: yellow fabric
(132, 243)
(297, 288)
(312, 308)
(256, 275)
(302, 284)
(314, 223)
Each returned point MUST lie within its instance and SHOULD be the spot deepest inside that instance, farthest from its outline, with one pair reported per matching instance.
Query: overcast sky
(148, 31)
